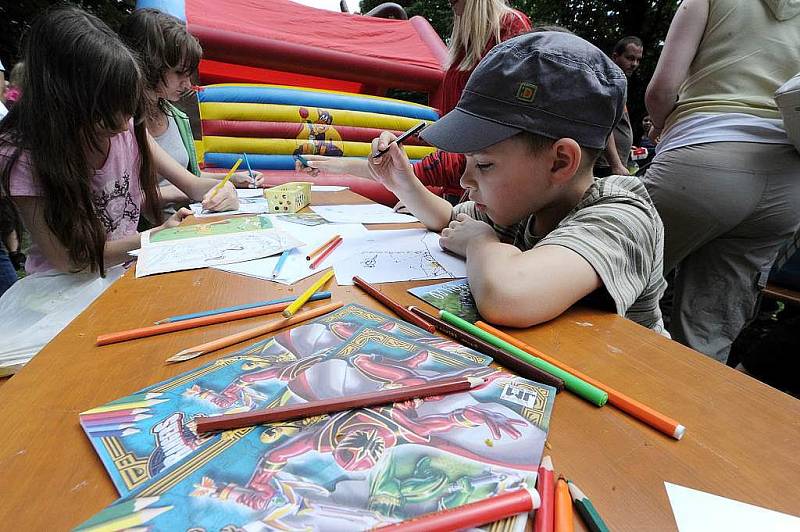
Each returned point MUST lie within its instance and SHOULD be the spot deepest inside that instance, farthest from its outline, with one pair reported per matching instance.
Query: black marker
(413, 131)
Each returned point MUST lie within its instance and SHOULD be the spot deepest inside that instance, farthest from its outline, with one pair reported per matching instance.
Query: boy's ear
(566, 157)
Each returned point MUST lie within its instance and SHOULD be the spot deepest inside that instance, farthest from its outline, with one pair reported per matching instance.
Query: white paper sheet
(361, 214)
(251, 201)
(401, 255)
(328, 188)
(296, 266)
(698, 511)
(209, 251)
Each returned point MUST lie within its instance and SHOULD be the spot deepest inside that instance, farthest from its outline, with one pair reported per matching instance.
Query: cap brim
(462, 132)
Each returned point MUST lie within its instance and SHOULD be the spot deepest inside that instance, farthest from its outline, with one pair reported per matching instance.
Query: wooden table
(742, 440)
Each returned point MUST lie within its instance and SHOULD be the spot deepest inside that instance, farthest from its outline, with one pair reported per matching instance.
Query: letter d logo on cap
(526, 92)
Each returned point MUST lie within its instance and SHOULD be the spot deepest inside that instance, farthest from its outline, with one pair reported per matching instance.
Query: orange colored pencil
(642, 412)
(325, 253)
(323, 247)
(274, 325)
(563, 521)
(152, 330)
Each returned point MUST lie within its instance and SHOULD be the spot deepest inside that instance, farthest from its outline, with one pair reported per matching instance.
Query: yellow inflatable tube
(294, 113)
(290, 146)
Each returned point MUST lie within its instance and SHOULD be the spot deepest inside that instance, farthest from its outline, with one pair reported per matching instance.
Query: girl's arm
(196, 188)
(683, 38)
(31, 210)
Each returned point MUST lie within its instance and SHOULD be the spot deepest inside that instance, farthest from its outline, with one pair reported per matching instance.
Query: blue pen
(315, 297)
(280, 263)
(249, 170)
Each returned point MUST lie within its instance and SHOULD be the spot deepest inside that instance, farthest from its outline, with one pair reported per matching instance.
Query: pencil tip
(186, 354)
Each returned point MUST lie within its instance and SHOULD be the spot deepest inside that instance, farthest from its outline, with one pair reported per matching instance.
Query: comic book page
(361, 468)
(140, 436)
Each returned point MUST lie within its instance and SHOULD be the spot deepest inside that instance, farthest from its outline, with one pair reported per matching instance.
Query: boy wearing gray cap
(540, 232)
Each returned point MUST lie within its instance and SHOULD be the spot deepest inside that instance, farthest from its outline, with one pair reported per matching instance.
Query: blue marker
(249, 170)
(281, 260)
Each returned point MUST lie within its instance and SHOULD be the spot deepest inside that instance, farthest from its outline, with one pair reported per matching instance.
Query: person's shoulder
(514, 23)
(618, 188)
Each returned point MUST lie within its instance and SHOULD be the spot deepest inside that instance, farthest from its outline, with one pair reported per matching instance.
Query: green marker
(591, 393)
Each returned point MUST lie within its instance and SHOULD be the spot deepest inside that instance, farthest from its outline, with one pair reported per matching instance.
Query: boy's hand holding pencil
(391, 168)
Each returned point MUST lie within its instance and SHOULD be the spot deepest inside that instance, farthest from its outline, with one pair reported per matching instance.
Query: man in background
(614, 160)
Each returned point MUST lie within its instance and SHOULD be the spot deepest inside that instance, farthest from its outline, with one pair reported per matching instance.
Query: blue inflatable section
(257, 161)
(281, 96)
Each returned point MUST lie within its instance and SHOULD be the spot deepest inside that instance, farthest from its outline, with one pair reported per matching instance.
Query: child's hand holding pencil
(223, 197)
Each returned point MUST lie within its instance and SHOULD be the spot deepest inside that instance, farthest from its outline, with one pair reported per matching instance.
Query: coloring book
(350, 470)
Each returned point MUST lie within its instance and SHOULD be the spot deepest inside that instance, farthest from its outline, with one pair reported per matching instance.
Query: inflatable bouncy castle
(285, 43)
(291, 79)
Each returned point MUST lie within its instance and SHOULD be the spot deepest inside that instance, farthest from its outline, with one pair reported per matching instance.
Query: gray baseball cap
(552, 84)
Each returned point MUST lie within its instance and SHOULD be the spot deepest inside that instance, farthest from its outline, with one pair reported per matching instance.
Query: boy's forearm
(434, 212)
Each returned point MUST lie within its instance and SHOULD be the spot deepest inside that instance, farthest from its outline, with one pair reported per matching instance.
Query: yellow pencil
(300, 301)
(226, 178)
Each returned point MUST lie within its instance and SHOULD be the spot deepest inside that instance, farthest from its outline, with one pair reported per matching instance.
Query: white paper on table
(296, 266)
(328, 188)
(192, 253)
(698, 511)
(396, 255)
(251, 201)
(361, 214)
(250, 192)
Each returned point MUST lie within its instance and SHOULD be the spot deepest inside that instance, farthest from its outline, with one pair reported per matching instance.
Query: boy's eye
(483, 166)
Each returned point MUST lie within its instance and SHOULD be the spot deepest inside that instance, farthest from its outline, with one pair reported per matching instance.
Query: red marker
(471, 515)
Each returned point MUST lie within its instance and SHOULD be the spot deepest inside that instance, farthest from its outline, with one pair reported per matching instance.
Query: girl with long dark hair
(78, 163)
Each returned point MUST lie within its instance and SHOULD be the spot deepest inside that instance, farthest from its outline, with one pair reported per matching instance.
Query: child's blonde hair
(480, 21)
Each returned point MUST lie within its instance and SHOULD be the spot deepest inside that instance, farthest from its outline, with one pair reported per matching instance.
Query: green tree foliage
(601, 22)
(16, 16)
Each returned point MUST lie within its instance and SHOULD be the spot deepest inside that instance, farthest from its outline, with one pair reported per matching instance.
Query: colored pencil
(152, 330)
(577, 386)
(128, 521)
(124, 406)
(249, 170)
(119, 510)
(471, 515)
(336, 404)
(274, 325)
(109, 427)
(323, 247)
(587, 511)
(520, 367)
(120, 433)
(642, 412)
(305, 296)
(226, 178)
(110, 420)
(316, 262)
(182, 317)
(114, 414)
(393, 305)
(543, 520)
(281, 260)
(563, 519)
